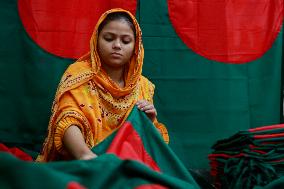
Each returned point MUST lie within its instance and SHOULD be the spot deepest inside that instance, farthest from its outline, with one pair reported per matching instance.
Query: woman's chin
(117, 64)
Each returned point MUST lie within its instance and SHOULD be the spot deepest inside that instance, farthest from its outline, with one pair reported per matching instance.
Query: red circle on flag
(64, 28)
(227, 31)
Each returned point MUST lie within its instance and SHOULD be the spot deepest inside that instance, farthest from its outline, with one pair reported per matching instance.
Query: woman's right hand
(148, 108)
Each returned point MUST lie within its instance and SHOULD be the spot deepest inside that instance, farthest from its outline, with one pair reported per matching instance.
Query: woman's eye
(108, 38)
(126, 41)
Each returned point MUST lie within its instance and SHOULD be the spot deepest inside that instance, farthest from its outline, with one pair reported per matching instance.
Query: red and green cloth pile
(249, 158)
(135, 156)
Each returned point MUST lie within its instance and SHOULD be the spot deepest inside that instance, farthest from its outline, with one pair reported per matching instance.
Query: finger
(152, 111)
(139, 102)
(148, 107)
(143, 104)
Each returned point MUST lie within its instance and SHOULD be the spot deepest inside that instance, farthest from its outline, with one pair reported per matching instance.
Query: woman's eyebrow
(112, 33)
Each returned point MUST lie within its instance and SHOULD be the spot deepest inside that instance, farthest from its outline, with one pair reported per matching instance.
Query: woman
(97, 92)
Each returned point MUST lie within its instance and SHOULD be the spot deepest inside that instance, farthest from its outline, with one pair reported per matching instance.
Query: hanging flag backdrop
(200, 99)
(64, 28)
(228, 31)
(189, 50)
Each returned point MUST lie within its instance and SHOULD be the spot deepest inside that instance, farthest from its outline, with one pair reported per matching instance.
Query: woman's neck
(116, 75)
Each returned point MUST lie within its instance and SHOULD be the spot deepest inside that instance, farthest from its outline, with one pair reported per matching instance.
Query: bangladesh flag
(216, 64)
(135, 156)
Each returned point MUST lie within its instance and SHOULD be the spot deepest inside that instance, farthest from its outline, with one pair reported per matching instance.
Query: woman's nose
(116, 44)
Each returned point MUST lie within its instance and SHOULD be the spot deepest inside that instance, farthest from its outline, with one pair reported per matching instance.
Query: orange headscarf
(100, 77)
(88, 98)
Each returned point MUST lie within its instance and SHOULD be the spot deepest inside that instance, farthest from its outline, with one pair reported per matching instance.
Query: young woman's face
(116, 43)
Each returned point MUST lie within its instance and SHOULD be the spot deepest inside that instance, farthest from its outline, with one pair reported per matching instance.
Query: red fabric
(269, 136)
(226, 156)
(236, 31)
(150, 186)
(127, 144)
(265, 128)
(16, 152)
(64, 28)
(74, 185)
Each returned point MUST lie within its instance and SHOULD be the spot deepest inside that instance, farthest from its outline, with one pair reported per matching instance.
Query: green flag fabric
(134, 156)
(278, 183)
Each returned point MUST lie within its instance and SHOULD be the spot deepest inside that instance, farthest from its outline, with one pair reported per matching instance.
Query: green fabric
(161, 153)
(276, 184)
(243, 173)
(106, 171)
(243, 161)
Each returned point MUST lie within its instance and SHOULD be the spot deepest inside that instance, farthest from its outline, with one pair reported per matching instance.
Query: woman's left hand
(148, 108)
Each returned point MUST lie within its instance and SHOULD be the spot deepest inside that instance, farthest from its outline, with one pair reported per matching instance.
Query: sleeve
(163, 130)
(61, 127)
(70, 115)
(148, 95)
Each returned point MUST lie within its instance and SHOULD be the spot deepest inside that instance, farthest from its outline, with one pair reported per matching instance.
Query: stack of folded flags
(249, 158)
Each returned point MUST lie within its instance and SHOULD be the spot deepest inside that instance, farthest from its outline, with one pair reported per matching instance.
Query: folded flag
(249, 158)
(135, 156)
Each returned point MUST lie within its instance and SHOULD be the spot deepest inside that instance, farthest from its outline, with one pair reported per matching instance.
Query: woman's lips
(116, 55)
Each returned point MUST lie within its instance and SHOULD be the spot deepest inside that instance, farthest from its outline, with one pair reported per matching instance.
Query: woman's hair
(117, 16)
